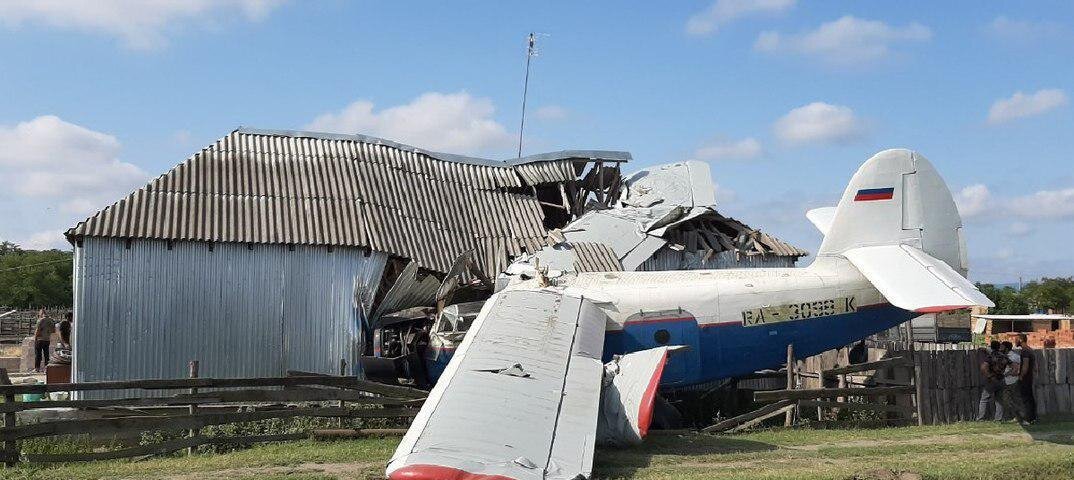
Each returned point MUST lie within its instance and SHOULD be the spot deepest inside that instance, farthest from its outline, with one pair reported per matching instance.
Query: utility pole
(531, 51)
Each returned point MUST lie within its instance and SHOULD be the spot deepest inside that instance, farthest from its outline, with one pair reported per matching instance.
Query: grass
(977, 451)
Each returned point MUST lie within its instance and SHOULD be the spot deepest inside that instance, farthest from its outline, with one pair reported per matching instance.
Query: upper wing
(913, 280)
(519, 399)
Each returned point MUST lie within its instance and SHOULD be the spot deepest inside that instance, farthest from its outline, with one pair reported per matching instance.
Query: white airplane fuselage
(736, 321)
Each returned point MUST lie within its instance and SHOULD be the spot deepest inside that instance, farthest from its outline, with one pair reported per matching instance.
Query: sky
(784, 99)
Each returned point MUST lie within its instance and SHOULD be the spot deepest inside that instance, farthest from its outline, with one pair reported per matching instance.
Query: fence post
(342, 373)
(11, 448)
(193, 432)
(789, 418)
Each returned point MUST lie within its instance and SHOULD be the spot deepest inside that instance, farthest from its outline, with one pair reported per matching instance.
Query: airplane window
(662, 337)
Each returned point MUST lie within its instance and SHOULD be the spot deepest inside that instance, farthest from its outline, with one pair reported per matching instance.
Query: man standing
(993, 381)
(65, 329)
(42, 336)
(1025, 379)
(1012, 392)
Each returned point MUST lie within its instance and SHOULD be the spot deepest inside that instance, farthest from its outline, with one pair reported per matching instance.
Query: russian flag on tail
(870, 194)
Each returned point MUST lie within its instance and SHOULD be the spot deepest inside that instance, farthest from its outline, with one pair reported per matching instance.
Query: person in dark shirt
(1025, 381)
(65, 329)
(42, 335)
(993, 385)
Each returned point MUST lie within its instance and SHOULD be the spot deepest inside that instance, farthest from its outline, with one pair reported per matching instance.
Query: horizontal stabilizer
(822, 218)
(913, 280)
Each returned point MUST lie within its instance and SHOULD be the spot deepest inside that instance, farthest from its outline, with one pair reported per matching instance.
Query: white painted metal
(821, 218)
(520, 396)
(912, 280)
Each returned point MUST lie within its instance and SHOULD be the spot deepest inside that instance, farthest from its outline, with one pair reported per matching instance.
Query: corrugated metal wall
(668, 259)
(146, 311)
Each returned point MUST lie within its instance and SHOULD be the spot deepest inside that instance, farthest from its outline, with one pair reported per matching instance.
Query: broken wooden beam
(874, 365)
(766, 411)
(812, 393)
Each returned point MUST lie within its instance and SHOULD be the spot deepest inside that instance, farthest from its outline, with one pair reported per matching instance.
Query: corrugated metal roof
(289, 187)
(595, 257)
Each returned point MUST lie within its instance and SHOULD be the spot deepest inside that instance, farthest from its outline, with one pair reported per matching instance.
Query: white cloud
(819, 122)
(1007, 29)
(551, 113)
(722, 12)
(846, 41)
(453, 122)
(51, 160)
(45, 240)
(139, 24)
(1044, 204)
(973, 200)
(1021, 105)
(745, 149)
(977, 201)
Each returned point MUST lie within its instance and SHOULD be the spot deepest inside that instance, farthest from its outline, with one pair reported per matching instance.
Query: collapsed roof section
(293, 187)
(664, 209)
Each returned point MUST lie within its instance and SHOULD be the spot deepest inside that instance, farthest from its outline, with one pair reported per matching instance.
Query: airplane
(552, 366)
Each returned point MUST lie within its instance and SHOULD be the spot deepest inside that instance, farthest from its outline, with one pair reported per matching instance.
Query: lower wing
(520, 398)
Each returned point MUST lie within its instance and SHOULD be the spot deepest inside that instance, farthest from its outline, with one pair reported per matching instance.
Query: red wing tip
(439, 472)
(941, 308)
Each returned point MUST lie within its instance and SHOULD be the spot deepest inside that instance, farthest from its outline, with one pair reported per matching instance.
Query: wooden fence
(952, 382)
(18, 323)
(231, 400)
(950, 378)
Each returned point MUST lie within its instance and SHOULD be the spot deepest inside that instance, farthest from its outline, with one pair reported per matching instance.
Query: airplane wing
(913, 280)
(519, 400)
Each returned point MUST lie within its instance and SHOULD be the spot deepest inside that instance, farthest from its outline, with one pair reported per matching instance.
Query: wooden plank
(789, 418)
(186, 383)
(783, 411)
(11, 448)
(185, 422)
(159, 448)
(745, 417)
(349, 433)
(874, 365)
(871, 407)
(299, 394)
(828, 393)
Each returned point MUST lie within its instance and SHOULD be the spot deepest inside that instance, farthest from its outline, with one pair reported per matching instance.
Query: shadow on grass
(1058, 429)
(621, 462)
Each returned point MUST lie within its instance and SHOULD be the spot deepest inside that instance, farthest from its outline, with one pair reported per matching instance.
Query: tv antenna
(531, 51)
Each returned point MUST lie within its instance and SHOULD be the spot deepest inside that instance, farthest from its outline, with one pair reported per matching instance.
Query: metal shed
(248, 255)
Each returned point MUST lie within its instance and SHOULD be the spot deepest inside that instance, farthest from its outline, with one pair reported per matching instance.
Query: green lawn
(959, 451)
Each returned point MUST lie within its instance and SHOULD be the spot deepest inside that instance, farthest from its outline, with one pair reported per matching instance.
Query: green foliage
(33, 278)
(1055, 294)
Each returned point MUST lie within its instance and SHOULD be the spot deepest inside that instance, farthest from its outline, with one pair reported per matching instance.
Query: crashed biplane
(559, 360)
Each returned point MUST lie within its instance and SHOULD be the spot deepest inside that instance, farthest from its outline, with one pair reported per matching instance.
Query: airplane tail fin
(898, 224)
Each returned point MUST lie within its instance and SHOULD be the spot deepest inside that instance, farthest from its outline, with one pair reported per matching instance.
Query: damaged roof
(293, 187)
(668, 206)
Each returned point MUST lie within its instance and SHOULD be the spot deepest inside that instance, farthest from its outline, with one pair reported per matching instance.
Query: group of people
(43, 337)
(1008, 375)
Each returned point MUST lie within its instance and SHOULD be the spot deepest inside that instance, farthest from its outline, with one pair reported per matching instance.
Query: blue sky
(784, 99)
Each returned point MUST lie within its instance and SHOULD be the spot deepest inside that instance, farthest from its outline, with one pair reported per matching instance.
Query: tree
(1048, 294)
(34, 278)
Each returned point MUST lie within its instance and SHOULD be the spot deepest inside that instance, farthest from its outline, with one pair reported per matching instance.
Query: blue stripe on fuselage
(724, 350)
(727, 350)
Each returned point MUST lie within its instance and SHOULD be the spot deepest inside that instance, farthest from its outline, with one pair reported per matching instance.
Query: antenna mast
(531, 51)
